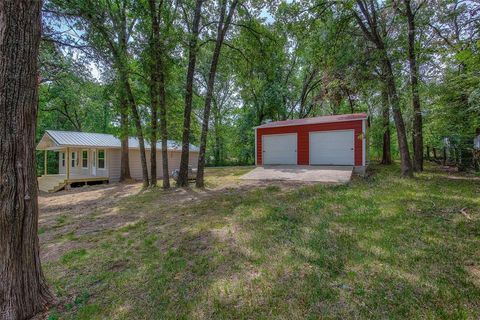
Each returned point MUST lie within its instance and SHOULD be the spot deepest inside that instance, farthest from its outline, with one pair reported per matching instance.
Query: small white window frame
(62, 159)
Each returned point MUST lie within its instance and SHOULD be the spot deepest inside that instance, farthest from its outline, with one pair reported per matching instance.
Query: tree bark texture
(159, 73)
(368, 21)
(386, 152)
(417, 112)
(192, 60)
(124, 161)
(138, 127)
(120, 54)
(163, 127)
(222, 29)
(153, 128)
(405, 162)
(23, 289)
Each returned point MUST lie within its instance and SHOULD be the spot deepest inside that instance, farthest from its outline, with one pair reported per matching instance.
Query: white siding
(78, 169)
(173, 162)
(114, 163)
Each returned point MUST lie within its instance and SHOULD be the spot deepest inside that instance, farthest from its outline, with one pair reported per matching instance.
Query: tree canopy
(412, 65)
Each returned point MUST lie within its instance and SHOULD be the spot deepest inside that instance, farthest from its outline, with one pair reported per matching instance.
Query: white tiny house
(85, 157)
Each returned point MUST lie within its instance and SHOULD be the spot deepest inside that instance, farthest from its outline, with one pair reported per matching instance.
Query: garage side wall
(303, 131)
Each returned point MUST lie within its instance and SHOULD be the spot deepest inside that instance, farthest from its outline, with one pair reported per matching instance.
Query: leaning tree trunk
(417, 113)
(192, 60)
(23, 289)
(124, 162)
(138, 127)
(405, 162)
(221, 32)
(386, 154)
(370, 27)
(120, 54)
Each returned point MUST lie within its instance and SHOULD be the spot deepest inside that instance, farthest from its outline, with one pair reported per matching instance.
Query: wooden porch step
(51, 183)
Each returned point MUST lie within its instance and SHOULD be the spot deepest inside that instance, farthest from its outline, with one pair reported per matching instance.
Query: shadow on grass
(372, 249)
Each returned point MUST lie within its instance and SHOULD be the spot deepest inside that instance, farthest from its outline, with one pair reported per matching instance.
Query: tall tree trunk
(163, 129)
(218, 142)
(160, 88)
(153, 129)
(417, 113)
(221, 31)
(23, 289)
(124, 162)
(138, 126)
(121, 59)
(386, 154)
(192, 60)
(368, 22)
(406, 164)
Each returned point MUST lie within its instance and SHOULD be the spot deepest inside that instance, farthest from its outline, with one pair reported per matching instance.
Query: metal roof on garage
(99, 140)
(315, 120)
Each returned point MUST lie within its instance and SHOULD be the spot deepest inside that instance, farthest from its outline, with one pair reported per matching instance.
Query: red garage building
(327, 140)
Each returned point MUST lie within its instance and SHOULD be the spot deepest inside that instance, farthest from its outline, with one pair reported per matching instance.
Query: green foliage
(280, 60)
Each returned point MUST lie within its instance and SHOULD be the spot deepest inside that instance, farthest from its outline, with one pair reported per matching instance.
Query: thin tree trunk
(124, 162)
(23, 289)
(192, 60)
(153, 129)
(406, 164)
(370, 27)
(417, 113)
(121, 60)
(160, 89)
(386, 154)
(138, 127)
(218, 143)
(163, 130)
(221, 32)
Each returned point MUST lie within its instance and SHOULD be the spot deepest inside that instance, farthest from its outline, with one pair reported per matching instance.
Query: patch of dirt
(474, 273)
(66, 217)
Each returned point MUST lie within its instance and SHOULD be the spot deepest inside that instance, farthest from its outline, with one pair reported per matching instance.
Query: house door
(94, 162)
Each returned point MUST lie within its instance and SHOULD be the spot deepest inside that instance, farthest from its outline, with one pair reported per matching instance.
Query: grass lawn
(381, 247)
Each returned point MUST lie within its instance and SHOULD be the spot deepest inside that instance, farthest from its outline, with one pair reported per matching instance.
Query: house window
(62, 158)
(84, 159)
(101, 159)
(74, 159)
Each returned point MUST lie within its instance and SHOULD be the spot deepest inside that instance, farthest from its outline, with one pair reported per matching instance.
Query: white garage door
(332, 147)
(280, 149)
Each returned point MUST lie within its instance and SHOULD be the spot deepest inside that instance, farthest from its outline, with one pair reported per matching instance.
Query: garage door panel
(280, 149)
(332, 147)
